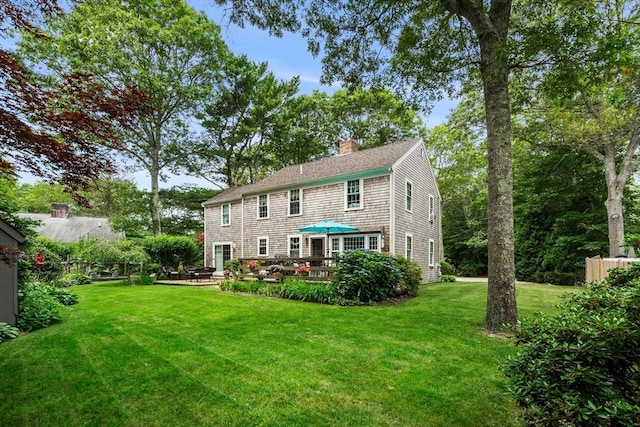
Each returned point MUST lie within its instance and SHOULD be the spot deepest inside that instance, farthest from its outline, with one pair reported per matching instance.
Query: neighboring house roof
(72, 228)
(379, 158)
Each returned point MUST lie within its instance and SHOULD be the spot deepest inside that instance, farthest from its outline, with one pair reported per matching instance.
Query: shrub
(53, 266)
(305, 291)
(37, 308)
(468, 268)
(446, 268)
(170, 250)
(620, 276)
(73, 279)
(233, 265)
(450, 278)
(7, 332)
(582, 366)
(411, 277)
(142, 279)
(366, 276)
(63, 296)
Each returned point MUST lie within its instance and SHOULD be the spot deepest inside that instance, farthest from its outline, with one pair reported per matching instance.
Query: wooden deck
(186, 282)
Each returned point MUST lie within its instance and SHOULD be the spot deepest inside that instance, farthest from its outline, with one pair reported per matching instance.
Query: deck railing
(306, 268)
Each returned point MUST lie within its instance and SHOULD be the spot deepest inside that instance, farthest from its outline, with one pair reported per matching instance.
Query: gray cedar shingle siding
(9, 275)
(384, 171)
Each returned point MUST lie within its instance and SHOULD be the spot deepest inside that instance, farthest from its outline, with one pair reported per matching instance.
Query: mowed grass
(195, 356)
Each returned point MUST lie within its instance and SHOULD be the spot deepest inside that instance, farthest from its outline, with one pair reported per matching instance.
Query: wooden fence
(598, 268)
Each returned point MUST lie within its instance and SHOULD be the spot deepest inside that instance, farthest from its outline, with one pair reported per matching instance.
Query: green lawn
(192, 356)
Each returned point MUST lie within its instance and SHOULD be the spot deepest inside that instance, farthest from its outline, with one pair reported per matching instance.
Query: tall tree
(57, 133)
(458, 152)
(374, 117)
(245, 113)
(163, 47)
(589, 97)
(422, 48)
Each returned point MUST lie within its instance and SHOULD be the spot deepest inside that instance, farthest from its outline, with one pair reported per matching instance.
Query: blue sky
(287, 57)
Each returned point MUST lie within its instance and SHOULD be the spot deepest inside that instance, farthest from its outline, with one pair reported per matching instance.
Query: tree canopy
(163, 47)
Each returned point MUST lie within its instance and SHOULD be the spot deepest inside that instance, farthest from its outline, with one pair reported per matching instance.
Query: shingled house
(388, 193)
(62, 227)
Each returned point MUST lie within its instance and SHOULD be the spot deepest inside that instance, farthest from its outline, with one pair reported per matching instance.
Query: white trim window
(295, 245)
(295, 202)
(408, 245)
(432, 207)
(263, 246)
(353, 194)
(263, 206)
(369, 242)
(408, 191)
(432, 253)
(225, 214)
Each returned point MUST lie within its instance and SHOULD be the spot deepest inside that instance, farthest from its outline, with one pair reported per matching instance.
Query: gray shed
(9, 237)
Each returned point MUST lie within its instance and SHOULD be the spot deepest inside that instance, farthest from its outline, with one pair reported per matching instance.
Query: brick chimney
(59, 210)
(348, 146)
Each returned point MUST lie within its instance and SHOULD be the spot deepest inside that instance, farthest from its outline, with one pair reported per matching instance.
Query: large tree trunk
(154, 173)
(492, 30)
(615, 195)
(501, 295)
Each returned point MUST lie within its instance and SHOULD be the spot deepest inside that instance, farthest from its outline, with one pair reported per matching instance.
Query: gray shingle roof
(306, 173)
(73, 228)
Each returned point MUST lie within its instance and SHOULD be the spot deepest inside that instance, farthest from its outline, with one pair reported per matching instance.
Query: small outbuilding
(10, 238)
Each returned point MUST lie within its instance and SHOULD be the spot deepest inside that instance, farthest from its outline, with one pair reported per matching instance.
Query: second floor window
(353, 194)
(226, 214)
(409, 194)
(263, 206)
(432, 207)
(294, 202)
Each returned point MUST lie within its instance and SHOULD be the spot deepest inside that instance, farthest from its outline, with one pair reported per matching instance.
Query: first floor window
(432, 255)
(294, 246)
(263, 246)
(373, 243)
(353, 243)
(408, 246)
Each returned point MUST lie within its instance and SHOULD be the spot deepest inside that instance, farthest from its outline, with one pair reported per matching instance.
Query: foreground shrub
(73, 279)
(367, 276)
(37, 308)
(142, 279)
(53, 266)
(411, 277)
(7, 332)
(446, 268)
(305, 291)
(583, 366)
(62, 295)
(170, 250)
